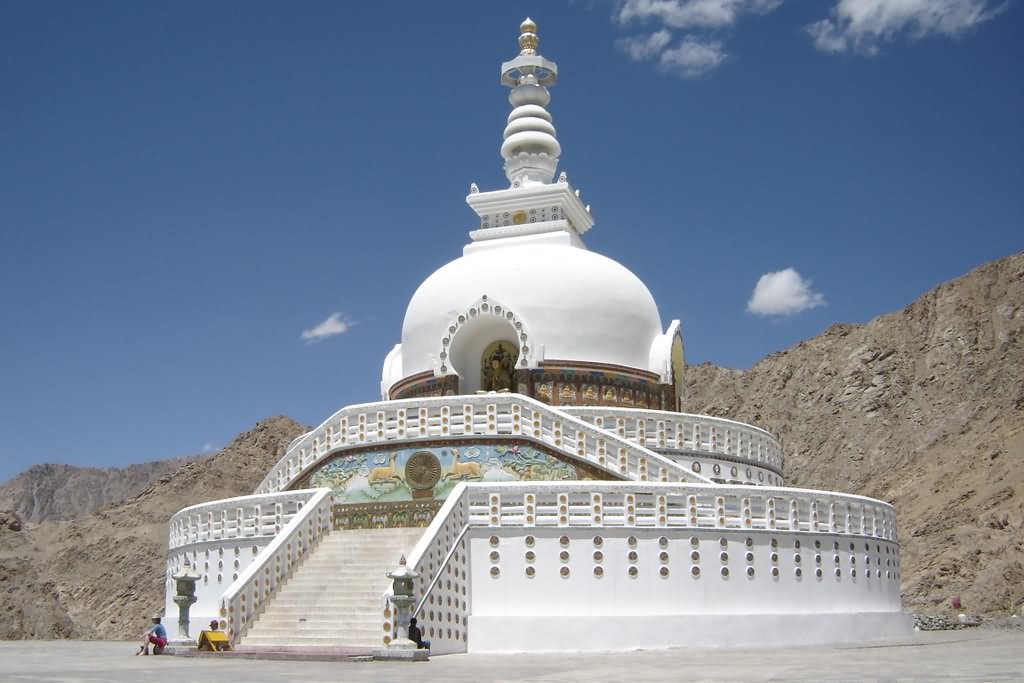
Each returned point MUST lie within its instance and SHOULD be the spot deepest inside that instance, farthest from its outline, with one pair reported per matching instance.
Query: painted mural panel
(558, 385)
(432, 472)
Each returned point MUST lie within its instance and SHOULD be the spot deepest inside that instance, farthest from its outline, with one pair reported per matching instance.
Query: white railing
(255, 587)
(485, 415)
(636, 504)
(701, 434)
(245, 517)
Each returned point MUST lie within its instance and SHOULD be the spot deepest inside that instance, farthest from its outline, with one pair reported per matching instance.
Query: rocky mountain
(101, 574)
(45, 492)
(923, 408)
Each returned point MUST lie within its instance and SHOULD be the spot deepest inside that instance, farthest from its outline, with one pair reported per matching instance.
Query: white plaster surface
(550, 595)
(510, 634)
(974, 655)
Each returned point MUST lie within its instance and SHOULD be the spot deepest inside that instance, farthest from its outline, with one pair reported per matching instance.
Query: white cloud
(784, 292)
(335, 324)
(642, 48)
(692, 13)
(689, 58)
(208, 447)
(695, 54)
(692, 57)
(863, 25)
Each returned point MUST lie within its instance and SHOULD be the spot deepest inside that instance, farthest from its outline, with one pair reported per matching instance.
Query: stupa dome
(570, 304)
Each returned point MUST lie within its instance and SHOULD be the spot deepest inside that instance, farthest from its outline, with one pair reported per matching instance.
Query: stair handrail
(440, 569)
(456, 498)
(258, 583)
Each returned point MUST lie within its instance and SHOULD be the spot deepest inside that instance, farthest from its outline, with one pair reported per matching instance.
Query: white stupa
(529, 459)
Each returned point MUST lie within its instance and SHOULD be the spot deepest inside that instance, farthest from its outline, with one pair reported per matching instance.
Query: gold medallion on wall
(422, 472)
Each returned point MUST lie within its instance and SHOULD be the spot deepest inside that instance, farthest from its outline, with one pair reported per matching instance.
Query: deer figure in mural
(463, 469)
(384, 473)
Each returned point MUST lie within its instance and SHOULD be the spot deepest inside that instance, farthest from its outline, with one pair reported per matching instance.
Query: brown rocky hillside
(923, 408)
(48, 491)
(100, 575)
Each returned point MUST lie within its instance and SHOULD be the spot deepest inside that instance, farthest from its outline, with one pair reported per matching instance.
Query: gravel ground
(979, 654)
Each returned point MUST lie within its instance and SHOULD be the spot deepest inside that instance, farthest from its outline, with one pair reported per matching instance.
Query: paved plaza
(972, 655)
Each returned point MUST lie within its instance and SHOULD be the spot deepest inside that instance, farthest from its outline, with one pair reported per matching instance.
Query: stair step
(313, 597)
(339, 604)
(335, 569)
(332, 609)
(340, 633)
(336, 617)
(367, 621)
(341, 630)
(318, 632)
(318, 599)
(325, 629)
(338, 636)
(338, 640)
(334, 591)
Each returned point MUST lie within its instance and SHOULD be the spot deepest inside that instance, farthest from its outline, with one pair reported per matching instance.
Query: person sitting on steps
(155, 634)
(416, 636)
(218, 646)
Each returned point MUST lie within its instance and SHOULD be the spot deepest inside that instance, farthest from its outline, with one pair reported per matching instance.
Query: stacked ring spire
(530, 149)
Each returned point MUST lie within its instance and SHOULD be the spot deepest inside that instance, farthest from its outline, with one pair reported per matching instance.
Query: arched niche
(477, 337)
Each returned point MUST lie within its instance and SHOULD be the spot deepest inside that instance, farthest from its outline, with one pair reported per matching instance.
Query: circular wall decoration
(422, 472)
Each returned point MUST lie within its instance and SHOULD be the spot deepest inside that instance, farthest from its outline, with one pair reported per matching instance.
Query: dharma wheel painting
(413, 473)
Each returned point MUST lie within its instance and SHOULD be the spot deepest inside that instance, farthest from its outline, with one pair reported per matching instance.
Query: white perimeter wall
(647, 595)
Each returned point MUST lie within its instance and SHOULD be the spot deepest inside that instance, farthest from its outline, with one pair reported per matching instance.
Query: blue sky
(185, 188)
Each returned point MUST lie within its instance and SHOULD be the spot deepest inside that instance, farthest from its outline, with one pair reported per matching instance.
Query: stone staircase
(334, 597)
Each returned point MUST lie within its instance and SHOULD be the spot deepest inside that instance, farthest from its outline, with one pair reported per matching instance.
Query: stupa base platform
(401, 654)
(286, 652)
(610, 633)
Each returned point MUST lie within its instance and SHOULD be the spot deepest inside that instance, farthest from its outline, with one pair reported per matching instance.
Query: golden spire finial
(528, 37)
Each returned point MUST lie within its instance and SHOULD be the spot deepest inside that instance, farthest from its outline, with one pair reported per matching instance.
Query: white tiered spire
(532, 206)
(530, 149)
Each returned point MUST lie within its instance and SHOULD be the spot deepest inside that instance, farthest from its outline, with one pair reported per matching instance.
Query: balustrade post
(563, 509)
(494, 510)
